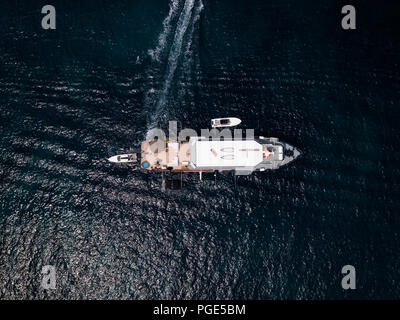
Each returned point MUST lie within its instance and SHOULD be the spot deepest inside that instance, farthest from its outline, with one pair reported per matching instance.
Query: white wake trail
(174, 54)
(167, 25)
(188, 52)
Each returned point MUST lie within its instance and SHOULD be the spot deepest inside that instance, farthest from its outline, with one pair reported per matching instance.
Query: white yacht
(200, 154)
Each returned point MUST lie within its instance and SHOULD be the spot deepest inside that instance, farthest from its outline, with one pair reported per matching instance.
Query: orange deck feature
(175, 156)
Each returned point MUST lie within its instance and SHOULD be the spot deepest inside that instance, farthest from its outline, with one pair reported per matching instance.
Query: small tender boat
(225, 122)
(124, 158)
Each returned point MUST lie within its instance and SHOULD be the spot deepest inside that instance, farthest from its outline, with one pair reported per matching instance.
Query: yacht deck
(175, 156)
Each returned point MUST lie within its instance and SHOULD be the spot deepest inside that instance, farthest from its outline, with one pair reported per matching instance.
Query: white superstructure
(216, 154)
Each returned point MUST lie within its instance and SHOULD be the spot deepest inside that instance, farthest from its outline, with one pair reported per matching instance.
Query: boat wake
(174, 48)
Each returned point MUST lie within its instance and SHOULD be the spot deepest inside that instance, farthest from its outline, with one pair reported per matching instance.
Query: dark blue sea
(72, 97)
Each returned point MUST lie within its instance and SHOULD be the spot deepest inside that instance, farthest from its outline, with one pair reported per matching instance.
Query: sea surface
(72, 97)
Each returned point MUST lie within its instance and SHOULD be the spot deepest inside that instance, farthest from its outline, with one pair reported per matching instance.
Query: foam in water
(167, 25)
(187, 16)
